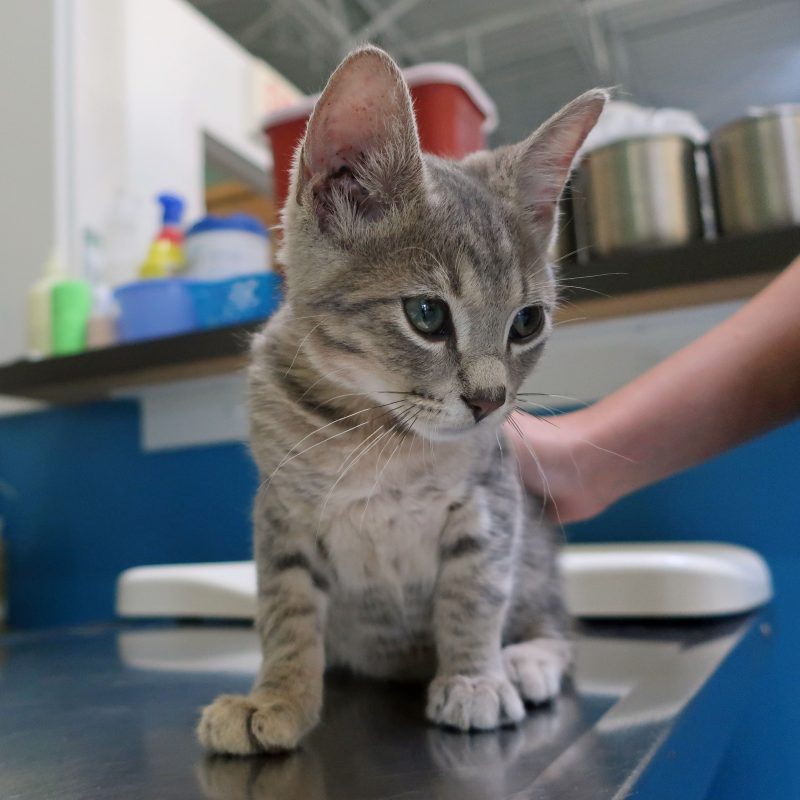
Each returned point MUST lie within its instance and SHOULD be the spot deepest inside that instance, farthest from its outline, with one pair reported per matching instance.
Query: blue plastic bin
(153, 308)
(241, 299)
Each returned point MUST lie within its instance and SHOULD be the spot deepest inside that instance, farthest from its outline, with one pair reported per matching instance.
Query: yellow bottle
(165, 257)
(40, 314)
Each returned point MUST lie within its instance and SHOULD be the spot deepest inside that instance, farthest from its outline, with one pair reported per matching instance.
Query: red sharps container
(454, 117)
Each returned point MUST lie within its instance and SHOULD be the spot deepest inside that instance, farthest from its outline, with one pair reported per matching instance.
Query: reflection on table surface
(110, 713)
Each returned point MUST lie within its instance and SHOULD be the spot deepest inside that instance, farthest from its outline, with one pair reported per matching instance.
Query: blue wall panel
(86, 502)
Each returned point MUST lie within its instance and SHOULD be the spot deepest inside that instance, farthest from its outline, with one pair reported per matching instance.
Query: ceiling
(714, 57)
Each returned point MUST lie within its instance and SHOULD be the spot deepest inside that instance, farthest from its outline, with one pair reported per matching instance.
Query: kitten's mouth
(442, 431)
(449, 432)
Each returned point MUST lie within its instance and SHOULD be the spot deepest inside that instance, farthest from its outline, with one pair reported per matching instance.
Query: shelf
(704, 272)
(664, 299)
(733, 264)
(96, 373)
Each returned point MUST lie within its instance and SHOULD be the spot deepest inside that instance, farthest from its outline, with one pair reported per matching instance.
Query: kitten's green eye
(528, 322)
(428, 315)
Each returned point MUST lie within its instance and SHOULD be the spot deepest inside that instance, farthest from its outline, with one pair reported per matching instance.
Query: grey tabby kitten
(392, 533)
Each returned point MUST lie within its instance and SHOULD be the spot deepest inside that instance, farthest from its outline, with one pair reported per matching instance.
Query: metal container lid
(757, 114)
(640, 138)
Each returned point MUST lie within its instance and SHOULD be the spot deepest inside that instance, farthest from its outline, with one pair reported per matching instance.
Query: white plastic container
(671, 580)
(224, 247)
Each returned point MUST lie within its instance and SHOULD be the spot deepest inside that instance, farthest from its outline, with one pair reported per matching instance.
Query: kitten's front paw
(537, 667)
(466, 702)
(243, 725)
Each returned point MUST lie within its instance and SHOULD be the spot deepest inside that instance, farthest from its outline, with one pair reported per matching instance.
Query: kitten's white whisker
(544, 408)
(310, 316)
(562, 302)
(362, 394)
(299, 347)
(363, 447)
(569, 321)
(596, 275)
(302, 452)
(556, 396)
(519, 465)
(359, 444)
(388, 461)
(358, 447)
(580, 439)
(571, 253)
(342, 475)
(403, 439)
(381, 451)
(578, 472)
(400, 415)
(545, 481)
(584, 289)
(327, 425)
(375, 485)
(321, 378)
(430, 447)
(358, 394)
(610, 452)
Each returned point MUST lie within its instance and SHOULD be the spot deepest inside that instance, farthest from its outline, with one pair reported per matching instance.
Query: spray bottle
(165, 257)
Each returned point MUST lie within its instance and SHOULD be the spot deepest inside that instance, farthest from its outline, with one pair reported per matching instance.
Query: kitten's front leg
(471, 689)
(286, 699)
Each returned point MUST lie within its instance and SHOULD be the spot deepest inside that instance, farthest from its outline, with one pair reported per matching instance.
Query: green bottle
(70, 304)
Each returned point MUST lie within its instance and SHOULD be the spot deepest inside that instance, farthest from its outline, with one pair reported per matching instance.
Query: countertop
(109, 712)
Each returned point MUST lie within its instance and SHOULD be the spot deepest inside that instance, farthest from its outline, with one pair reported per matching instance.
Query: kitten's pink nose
(481, 405)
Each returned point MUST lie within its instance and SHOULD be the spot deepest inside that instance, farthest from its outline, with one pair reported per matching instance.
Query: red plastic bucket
(454, 117)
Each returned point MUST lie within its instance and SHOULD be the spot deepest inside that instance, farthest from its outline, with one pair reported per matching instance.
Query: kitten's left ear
(545, 158)
(361, 147)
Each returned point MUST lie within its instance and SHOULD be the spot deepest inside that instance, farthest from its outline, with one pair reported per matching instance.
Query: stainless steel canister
(757, 170)
(637, 193)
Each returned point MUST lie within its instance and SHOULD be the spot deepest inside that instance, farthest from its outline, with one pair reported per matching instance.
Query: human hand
(561, 464)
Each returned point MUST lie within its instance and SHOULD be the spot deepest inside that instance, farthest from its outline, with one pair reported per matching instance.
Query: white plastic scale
(615, 581)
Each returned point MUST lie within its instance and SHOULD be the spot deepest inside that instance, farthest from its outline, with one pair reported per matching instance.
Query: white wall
(151, 77)
(100, 147)
(27, 159)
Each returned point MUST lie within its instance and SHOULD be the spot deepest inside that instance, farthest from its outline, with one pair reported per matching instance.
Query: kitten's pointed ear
(546, 157)
(361, 147)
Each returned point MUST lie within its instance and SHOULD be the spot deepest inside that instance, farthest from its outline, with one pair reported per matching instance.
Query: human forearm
(739, 380)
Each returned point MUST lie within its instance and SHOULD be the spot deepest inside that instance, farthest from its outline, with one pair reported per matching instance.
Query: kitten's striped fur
(392, 534)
